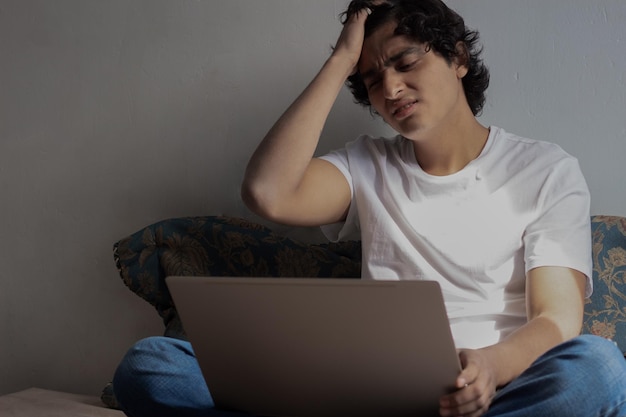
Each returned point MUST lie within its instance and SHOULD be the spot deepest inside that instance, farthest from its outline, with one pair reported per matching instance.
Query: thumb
(469, 372)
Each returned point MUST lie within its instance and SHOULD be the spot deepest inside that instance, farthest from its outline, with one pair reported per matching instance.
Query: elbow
(251, 195)
(573, 330)
(259, 199)
(565, 327)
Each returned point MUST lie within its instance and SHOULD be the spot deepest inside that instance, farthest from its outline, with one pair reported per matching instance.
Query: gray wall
(116, 114)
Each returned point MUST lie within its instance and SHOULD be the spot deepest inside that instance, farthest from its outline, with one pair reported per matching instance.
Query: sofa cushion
(605, 311)
(221, 246)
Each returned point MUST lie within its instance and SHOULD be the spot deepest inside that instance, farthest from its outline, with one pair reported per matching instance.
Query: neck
(449, 150)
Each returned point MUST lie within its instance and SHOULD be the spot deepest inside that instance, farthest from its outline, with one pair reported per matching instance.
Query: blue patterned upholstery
(605, 311)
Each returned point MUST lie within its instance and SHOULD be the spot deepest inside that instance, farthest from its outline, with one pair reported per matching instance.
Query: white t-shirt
(521, 204)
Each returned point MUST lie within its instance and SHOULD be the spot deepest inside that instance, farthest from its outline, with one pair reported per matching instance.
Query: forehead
(382, 46)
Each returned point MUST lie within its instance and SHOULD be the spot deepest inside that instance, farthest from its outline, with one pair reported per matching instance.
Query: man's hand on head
(350, 42)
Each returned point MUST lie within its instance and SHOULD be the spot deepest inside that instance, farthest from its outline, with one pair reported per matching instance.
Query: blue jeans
(584, 377)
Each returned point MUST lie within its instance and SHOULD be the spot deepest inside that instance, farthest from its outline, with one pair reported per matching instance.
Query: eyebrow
(392, 60)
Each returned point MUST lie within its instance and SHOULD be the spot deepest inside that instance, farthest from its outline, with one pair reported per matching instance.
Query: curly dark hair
(433, 23)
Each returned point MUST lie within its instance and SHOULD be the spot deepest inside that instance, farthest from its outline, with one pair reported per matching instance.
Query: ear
(461, 61)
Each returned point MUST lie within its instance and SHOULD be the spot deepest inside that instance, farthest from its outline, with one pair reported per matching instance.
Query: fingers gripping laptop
(319, 347)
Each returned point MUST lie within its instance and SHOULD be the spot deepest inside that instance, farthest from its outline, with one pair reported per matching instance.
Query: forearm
(555, 312)
(516, 353)
(487, 369)
(278, 165)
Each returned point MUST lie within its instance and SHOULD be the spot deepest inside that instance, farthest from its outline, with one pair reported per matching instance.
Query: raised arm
(283, 182)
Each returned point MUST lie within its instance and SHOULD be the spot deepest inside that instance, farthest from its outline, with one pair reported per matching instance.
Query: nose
(392, 84)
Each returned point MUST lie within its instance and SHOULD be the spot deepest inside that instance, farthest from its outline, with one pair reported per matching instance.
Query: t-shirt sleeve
(560, 234)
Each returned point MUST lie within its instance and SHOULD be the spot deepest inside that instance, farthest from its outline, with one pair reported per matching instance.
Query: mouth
(403, 109)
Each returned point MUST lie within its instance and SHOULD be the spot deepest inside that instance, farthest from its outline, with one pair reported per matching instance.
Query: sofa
(229, 246)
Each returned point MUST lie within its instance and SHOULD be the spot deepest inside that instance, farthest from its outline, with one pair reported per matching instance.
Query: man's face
(414, 89)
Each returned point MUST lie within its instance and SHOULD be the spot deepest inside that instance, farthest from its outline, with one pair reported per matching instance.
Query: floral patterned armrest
(221, 246)
(605, 311)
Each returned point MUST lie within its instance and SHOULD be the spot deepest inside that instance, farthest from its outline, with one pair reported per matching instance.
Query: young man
(501, 222)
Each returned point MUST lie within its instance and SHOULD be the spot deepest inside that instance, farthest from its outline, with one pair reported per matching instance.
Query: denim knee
(591, 356)
(131, 381)
(602, 359)
(585, 376)
(593, 370)
(159, 375)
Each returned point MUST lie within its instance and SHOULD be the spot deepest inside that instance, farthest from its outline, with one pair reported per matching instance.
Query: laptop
(294, 347)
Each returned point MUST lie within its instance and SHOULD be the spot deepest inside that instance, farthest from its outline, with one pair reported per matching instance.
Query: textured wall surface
(116, 114)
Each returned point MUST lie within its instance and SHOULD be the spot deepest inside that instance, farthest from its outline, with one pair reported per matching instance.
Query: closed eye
(373, 84)
(407, 67)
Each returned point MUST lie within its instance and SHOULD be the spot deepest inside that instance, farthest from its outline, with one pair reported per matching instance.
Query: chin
(413, 132)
